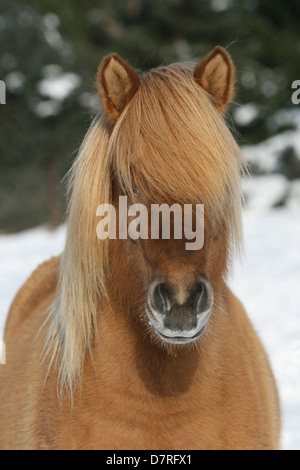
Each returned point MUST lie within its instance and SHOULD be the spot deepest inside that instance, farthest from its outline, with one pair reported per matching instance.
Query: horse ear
(117, 84)
(215, 73)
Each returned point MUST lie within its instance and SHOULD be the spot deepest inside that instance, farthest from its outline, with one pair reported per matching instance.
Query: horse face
(179, 297)
(176, 283)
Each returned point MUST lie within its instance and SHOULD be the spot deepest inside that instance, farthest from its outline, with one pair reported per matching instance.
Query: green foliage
(289, 163)
(40, 134)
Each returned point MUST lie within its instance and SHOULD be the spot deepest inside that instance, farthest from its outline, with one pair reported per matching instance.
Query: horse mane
(175, 145)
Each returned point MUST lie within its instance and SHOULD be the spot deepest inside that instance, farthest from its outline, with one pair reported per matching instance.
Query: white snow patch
(15, 81)
(246, 113)
(221, 5)
(267, 282)
(51, 21)
(294, 194)
(265, 155)
(263, 192)
(20, 254)
(60, 87)
(89, 100)
(48, 108)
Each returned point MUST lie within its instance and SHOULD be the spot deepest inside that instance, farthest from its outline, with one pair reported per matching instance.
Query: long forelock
(175, 145)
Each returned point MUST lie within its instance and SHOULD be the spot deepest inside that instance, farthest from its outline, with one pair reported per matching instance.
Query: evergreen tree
(45, 40)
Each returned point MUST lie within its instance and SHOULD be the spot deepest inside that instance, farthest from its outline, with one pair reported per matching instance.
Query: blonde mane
(174, 144)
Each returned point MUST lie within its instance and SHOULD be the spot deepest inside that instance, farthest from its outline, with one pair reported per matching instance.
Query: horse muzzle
(179, 315)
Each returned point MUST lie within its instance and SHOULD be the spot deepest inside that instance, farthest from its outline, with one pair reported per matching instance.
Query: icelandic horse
(140, 344)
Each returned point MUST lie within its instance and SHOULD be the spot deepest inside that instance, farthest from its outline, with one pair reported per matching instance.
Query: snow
(51, 21)
(47, 108)
(246, 113)
(59, 87)
(267, 282)
(15, 81)
(294, 194)
(220, 5)
(90, 101)
(266, 154)
(56, 86)
(20, 254)
(262, 192)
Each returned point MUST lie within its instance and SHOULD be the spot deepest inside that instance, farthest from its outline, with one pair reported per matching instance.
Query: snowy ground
(267, 281)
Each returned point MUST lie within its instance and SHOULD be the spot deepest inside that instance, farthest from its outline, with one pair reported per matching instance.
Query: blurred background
(50, 52)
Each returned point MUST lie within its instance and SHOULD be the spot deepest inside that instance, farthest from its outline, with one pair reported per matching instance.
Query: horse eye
(123, 186)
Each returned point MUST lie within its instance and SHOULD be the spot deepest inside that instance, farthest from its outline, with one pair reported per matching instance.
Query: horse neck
(127, 354)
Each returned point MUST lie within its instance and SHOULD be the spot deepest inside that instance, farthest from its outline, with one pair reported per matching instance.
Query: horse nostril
(201, 298)
(160, 298)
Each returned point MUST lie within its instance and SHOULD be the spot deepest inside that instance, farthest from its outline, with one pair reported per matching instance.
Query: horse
(139, 343)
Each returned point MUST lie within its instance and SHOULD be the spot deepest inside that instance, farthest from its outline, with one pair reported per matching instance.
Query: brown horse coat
(85, 370)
